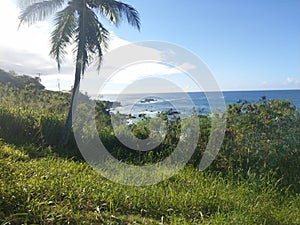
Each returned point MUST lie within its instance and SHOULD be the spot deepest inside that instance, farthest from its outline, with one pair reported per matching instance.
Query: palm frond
(105, 9)
(130, 13)
(80, 21)
(115, 11)
(92, 38)
(63, 32)
(39, 11)
(98, 36)
(25, 3)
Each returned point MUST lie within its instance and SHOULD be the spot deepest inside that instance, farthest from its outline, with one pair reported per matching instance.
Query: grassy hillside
(51, 190)
(20, 81)
(254, 180)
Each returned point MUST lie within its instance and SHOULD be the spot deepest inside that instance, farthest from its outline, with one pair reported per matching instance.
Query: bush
(262, 137)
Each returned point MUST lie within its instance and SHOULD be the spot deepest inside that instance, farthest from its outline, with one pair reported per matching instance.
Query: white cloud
(26, 51)
(187, 66)
(58, 81)
(116, 42)
(293, 81)
(143, 77)
(135, 74)
(288, 83)
(142, 70)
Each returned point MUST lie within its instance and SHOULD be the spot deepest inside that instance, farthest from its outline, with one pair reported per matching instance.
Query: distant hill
(20, 81)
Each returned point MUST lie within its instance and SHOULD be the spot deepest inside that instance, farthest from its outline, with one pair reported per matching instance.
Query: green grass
(51, 190)
(39, 185)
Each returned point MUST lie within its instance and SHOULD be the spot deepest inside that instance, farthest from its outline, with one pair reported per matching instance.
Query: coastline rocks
(148, 100)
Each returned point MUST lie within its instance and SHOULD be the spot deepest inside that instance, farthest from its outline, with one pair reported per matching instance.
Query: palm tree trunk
(78, 71)
(72, 107)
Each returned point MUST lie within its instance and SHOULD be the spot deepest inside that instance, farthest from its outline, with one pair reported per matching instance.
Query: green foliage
(52, 190)
(13, 79)
(259, 155)
(34, 117)
(262, 137)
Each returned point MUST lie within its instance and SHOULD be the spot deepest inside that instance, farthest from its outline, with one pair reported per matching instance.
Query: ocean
(186, 103)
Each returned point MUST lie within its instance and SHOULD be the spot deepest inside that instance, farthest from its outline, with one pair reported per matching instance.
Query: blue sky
(247, 44)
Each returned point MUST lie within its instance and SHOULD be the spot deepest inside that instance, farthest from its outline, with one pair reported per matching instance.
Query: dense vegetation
(254, 180)
(50, 190)
(20, 81)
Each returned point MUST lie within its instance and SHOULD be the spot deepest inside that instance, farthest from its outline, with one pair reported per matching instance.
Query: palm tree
(78, 22)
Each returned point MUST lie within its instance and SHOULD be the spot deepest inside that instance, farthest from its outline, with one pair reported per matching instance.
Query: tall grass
(254, 180)
(52, 190)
